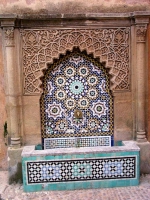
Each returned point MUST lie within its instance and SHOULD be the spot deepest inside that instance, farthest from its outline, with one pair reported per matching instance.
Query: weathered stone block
(144, 157)
(15, 165)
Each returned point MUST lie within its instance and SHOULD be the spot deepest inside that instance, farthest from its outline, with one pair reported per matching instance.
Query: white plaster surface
(128, 146)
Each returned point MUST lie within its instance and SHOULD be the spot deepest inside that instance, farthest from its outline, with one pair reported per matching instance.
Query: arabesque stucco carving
(41, 47)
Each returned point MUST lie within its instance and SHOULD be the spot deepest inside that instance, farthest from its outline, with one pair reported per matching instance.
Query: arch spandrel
(40, 47)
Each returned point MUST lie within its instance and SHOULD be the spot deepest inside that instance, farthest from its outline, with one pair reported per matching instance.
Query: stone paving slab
(15, 192)
(3, 180)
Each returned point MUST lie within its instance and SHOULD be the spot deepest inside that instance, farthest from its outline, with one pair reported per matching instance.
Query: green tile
(58, 157)
(123, 183)
(61, 186)
(77, 156)
(134, 182)
(53, 186)
(33, 188)
(49, 157)
(70, 186)
(65, 157)
(95, 184)
(104, 183)
(78, 185)
(86, 185)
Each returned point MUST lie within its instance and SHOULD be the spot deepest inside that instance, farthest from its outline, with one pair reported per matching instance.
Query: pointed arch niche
(76, 103)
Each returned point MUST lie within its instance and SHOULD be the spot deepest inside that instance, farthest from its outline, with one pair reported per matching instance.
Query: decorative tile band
(51, 143)
(81, 169)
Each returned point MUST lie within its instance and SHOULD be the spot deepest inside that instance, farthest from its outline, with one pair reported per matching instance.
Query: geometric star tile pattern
(76, 83)
(52, 143)
(81, 169)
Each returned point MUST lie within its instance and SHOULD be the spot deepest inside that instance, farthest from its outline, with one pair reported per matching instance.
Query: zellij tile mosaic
(51, 143)
(76, 99)
(81, 170)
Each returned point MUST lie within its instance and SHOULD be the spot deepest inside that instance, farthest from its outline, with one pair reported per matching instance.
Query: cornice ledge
(8, 16)
(7, 20)
(141, 17)
(136, 14)
(141, 14)
(74, 16)
(98, 15)
(34, 16)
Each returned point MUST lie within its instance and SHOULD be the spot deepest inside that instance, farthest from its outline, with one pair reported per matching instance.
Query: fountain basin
(80, 168)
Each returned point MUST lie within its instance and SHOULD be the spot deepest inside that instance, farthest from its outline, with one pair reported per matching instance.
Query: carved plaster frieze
(41, 47)
(141, 33)
(9, 36)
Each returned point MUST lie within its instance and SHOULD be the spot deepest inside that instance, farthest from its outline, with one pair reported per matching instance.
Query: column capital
(9, 36)
(141, 32)
(141, 23)
(8, 25)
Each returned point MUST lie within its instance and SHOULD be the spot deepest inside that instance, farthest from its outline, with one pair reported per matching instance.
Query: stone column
(11, 81)
(141, 28)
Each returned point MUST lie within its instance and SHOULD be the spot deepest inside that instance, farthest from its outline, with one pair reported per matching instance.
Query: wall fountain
(78, 150)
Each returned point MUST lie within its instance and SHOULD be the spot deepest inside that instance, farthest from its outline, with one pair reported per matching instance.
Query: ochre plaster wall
(73, 6)
(3, 148)
(123, 116)
(31, 120)
(148, 99)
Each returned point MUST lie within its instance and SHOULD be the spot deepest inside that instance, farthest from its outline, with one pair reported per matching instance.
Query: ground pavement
(15, 192)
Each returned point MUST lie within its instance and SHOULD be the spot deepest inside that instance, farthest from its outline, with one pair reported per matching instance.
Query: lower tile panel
(81, 170)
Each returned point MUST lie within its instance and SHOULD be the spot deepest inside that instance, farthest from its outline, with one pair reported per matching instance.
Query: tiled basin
(80, 168)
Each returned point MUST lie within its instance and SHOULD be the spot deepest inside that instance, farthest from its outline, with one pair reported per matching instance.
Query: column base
(141, 136)
(15, 143)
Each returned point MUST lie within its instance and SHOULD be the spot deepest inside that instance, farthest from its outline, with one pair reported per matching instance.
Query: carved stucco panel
(40, 47)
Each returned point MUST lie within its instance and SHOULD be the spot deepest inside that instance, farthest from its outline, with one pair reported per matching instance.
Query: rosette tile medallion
(77, 82)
